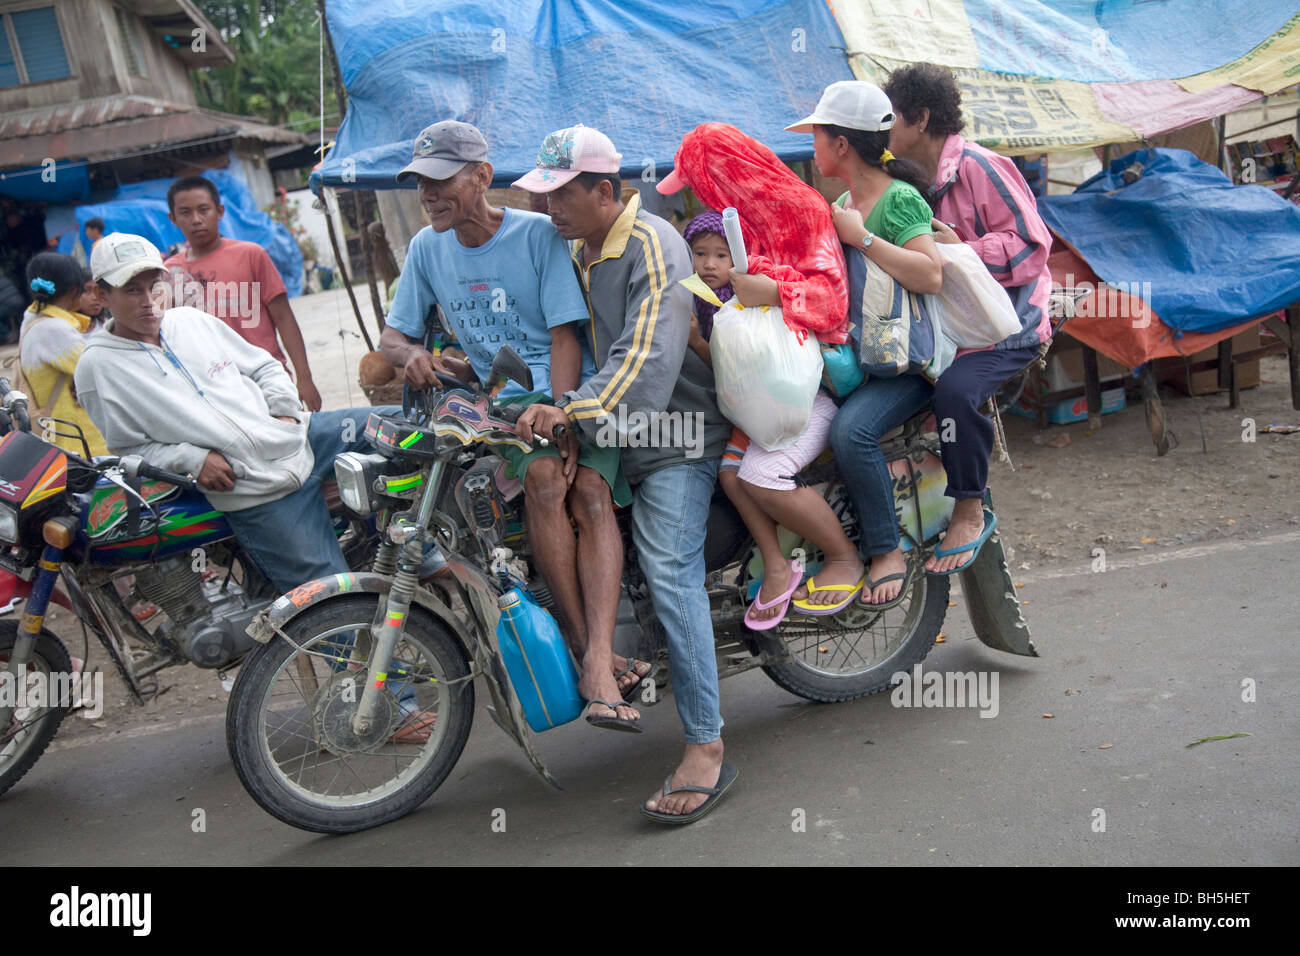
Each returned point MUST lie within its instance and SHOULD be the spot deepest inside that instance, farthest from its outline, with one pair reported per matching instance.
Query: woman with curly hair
(980, 199)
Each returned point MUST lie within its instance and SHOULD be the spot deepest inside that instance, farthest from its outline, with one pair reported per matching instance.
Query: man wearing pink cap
(629, 263)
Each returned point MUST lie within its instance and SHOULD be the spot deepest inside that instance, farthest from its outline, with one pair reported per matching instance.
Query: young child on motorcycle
(798, 266)
(712, 259)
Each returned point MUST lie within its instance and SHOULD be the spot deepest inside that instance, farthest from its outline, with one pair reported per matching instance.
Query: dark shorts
(607, 462)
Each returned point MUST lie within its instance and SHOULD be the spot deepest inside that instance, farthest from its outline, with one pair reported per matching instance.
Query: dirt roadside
(1103, 490)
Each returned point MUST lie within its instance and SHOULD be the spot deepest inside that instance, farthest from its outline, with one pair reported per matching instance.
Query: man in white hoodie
(185, 392)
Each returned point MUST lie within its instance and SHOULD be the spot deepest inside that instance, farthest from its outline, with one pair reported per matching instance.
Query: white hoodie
(205, 389)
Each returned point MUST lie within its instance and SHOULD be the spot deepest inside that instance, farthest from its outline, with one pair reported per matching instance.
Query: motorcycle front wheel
(289, 727)
(32, 727)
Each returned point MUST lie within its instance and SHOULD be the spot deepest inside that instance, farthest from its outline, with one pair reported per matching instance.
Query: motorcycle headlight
(8, 525)
(356, 475)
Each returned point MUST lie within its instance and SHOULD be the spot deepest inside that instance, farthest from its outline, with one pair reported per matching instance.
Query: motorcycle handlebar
(134, 466)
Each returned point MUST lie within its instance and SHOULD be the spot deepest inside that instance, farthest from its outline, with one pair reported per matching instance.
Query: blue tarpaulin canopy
(141, 208)
(643, 72)
(1213, 253)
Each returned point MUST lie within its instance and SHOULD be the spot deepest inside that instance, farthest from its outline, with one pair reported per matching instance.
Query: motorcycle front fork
(29, 628)
(404, 538)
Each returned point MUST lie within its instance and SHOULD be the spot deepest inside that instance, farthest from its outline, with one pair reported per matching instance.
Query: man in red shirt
(234, 280)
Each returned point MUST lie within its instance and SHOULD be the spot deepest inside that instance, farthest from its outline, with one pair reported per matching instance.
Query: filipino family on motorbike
(643, 413)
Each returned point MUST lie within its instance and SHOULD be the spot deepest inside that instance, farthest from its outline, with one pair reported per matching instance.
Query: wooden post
(342, 262)
(1293, 351)
(1092, 387)
(340, 94)
(1155, 411)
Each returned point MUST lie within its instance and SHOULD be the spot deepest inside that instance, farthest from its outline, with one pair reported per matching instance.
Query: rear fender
(992, 603)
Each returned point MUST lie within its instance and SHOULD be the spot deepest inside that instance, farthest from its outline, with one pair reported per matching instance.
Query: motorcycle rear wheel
(37, 725)
(293, 751)
(855, 652)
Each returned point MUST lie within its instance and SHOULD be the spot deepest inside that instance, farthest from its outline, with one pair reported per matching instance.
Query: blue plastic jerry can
(538, 662)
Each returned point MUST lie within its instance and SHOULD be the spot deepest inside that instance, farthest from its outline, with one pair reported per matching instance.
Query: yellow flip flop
(819, 610)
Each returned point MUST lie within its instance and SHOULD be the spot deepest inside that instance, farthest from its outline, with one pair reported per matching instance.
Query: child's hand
(695, 329)
(754, 290)
(848, 225)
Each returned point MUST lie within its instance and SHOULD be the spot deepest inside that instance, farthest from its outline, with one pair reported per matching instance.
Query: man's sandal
(612, 721)
(726, 777)
(640, 678)
(820, 610)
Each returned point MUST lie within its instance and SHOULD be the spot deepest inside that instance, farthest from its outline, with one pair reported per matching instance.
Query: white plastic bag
(766, 378)
(974, 309)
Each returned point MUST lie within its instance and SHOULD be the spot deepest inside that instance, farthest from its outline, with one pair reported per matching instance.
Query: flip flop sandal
(870, 585)
(821, 610)
(726, 778)
(990, 523)
(416, 728)
(641, 678)
(613, 722)
(766, 624)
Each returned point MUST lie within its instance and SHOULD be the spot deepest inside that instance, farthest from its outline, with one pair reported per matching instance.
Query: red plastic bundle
(787, 225)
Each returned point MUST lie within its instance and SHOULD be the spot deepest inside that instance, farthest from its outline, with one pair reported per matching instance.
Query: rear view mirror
(507, 365)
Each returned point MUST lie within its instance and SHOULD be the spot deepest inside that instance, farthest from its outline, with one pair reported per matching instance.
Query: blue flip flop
(990, 523)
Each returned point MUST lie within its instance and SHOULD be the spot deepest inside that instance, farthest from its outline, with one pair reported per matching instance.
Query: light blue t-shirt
(512, 290)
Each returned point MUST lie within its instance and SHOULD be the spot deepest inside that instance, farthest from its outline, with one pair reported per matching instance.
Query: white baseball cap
(566, 153)
(854, 104)
(120, 256)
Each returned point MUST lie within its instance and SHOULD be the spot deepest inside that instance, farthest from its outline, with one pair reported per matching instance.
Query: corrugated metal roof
(102, 128)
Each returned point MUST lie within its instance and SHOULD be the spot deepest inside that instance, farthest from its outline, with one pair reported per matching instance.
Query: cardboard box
(1174, 370)
(1069, 410)
(1065, 366)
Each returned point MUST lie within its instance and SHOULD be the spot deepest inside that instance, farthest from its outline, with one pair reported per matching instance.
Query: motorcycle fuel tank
(175, 521)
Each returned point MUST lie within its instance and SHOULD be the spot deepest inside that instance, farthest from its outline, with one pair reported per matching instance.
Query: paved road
(1157, 653)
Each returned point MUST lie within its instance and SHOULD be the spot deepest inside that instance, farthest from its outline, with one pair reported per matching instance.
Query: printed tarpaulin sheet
(1205, 254)
(141, 208)
(1061, 74)
(644, 72)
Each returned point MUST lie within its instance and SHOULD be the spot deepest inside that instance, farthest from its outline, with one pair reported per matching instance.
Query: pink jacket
(984, 197)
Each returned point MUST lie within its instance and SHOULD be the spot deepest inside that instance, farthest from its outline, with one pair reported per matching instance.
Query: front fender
(288, 606)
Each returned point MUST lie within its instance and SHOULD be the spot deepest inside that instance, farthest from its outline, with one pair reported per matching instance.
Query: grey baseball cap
(443, 149)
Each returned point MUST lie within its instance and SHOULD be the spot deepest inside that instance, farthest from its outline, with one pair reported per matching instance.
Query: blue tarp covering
(54, 182)
(1119, 40)
(644, 72)
(141, 208)
(1214, 254)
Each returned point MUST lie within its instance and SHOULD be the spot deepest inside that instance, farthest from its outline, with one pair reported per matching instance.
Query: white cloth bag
(766, 378)
(974, 310)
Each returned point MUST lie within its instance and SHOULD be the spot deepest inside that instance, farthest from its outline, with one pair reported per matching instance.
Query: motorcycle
(311, 716)
(95, 537)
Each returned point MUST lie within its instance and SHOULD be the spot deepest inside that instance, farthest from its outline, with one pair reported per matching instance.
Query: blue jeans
(877, 407)
(292, 538)
(669, 515)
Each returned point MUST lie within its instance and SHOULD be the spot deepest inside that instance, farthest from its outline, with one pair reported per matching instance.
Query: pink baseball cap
(672, 183)
(566, 153)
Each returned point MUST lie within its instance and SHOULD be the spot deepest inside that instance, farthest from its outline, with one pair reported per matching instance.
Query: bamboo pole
(340, 94)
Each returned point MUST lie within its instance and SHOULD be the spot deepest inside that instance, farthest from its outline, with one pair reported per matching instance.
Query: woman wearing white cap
(884, 215)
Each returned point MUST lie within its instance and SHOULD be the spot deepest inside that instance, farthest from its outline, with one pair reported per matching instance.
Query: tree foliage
(274, 76)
